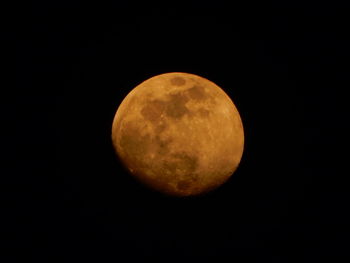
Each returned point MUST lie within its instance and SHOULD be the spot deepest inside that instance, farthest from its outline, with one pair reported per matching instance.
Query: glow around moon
(179, 134)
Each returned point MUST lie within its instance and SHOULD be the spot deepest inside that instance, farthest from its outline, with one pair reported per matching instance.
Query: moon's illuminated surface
(179, 133)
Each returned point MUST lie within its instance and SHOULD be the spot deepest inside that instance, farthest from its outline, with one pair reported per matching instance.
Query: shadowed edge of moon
(173, 167)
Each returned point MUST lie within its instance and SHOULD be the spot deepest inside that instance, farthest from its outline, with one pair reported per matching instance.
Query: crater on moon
(178, 81)
(153, 110)
(176, 106)
(179, 134)
(204, 113)
(197, 93)
(181, 162)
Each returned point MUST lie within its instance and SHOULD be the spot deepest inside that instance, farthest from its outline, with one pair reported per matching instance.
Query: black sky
(66, 196)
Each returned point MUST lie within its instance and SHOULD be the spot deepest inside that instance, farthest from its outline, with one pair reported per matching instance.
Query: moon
(179, 134)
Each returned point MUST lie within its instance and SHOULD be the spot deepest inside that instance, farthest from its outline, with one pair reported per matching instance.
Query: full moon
(179, 134)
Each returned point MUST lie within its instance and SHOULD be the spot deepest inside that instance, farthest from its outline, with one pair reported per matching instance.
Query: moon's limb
(179, 133)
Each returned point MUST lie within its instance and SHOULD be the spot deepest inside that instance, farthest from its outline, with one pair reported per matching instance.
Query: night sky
(67, 198)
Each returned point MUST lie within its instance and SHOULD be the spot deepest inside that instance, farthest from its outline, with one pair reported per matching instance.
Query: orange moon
(179, 134)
